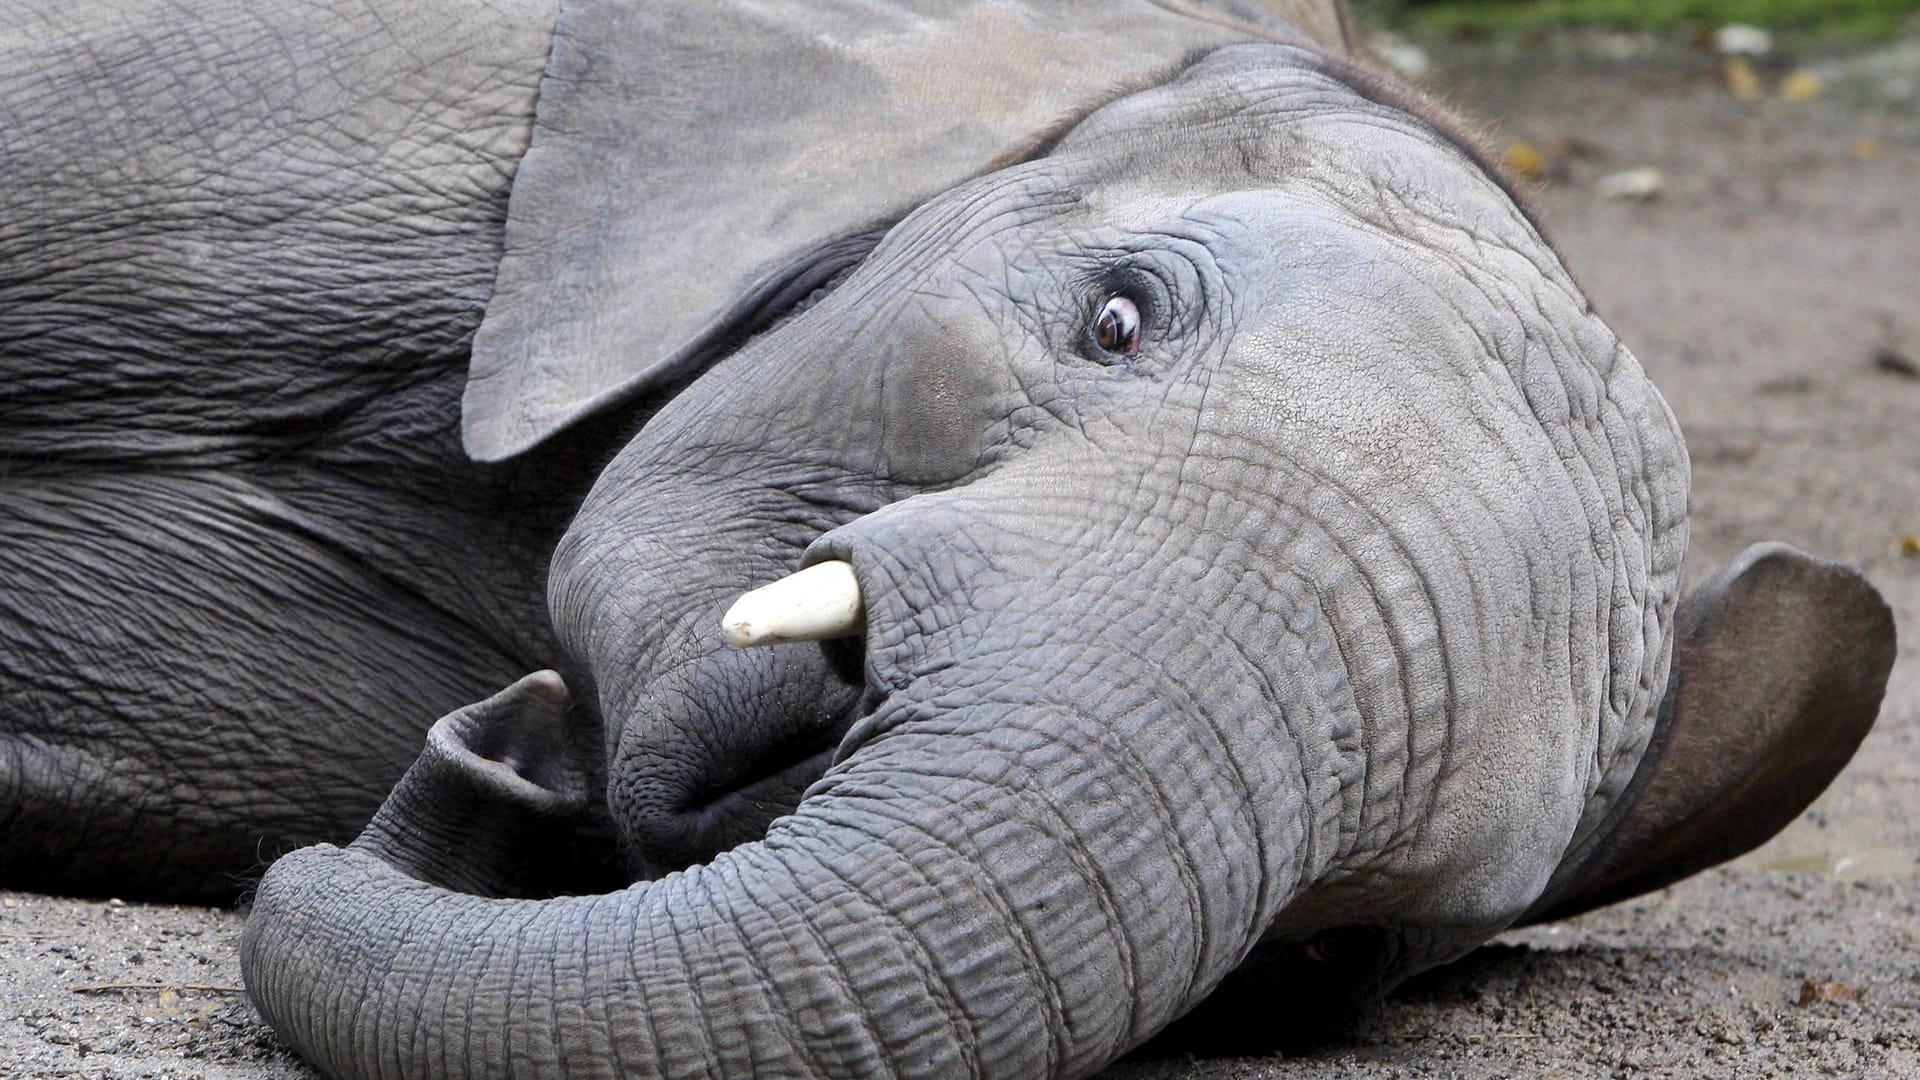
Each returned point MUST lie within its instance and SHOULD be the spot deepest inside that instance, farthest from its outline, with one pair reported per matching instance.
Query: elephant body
(237, 285)
(1257, 554)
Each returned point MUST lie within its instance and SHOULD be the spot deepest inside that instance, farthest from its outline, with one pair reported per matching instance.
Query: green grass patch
(1800, 20)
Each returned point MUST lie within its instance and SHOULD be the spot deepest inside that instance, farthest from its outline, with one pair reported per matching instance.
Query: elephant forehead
(1251, 117)
(1440, 371)
(1367, 332)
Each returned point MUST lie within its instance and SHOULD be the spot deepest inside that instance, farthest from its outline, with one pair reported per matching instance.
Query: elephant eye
(1117, 328)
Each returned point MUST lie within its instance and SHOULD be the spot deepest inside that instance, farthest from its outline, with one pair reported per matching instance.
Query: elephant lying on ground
(1229, 533)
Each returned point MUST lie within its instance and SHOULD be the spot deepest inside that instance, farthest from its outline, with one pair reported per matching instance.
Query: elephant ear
(695, 168)
(1779, 664)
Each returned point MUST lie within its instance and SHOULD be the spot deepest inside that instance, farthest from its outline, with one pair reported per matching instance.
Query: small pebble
(1892, 362)
(1801, 86)
(1739, 39)
(1631, 185)
(1864, 149)
(1525, 159)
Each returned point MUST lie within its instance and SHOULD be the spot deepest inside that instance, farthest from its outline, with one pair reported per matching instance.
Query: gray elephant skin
(1260, 566)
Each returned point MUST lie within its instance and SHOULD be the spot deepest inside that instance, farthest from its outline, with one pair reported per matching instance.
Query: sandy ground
(1773, 291)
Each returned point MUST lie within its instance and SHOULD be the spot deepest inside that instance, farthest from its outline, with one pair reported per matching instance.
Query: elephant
(296, 409)
(1024, 522)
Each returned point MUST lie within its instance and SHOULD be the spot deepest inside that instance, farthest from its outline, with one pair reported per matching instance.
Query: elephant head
(1246, 531)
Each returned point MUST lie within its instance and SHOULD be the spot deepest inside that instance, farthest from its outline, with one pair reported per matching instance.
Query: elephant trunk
(1009, 886)
(704, 744)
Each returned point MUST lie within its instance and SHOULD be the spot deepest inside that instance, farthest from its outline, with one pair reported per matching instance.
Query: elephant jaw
(819, 603)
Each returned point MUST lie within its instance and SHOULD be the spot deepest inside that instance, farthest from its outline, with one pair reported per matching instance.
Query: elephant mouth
(774, 788)
(741, 735)
(787, 734)
(802, 611)
(737, 806)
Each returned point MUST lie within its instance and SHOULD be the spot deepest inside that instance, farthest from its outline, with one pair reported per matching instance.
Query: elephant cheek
(936, 411)
(714, 750)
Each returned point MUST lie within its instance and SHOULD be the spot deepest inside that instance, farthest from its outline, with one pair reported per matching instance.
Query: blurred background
(1799, 21)
(1737, 185)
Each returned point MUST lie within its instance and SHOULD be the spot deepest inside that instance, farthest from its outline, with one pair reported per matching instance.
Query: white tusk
(820, 602)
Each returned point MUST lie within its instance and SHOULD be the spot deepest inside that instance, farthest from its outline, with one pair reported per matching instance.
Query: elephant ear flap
(1779, 665)
(696, 167)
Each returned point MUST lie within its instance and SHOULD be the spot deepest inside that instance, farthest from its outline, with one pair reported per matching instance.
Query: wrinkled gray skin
(1331, 628)
(245, 562)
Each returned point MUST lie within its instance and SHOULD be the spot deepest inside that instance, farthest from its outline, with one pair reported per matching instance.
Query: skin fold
(1318, 614)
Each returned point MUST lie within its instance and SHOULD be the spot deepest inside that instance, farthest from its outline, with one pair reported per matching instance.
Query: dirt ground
(1772, 288)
